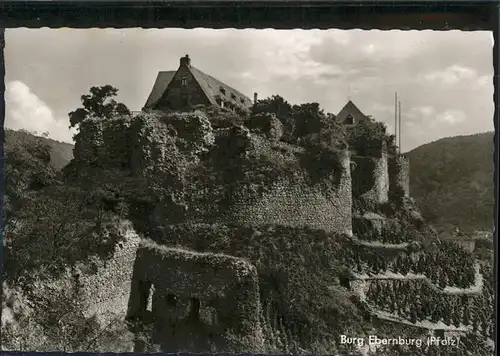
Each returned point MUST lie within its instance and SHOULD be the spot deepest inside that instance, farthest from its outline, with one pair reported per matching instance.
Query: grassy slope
(452, 180)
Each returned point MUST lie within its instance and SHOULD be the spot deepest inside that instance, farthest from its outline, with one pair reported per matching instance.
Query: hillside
(60, 152)
(452, 180)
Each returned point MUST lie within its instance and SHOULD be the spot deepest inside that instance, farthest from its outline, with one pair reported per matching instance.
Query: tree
(275, 105)
(59, 226)
(27, 169)
(306, 124)
(98, 104)
(366, 136)
(324, 133)
(308, 118)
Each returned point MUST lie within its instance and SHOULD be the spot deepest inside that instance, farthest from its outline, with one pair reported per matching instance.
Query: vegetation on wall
(48, 228)
(298, 272)
(54, 222)
(308, 125)
(366, 136)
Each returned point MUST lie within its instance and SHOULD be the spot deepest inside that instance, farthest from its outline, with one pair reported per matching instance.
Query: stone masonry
(187, 285)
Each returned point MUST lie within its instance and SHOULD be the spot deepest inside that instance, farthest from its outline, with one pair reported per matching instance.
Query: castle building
(189, 86)
(350, 114)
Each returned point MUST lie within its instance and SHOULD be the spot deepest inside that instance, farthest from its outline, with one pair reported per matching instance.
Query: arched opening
(194, 312)
(349, 120)
(171, 300)
(144, 296)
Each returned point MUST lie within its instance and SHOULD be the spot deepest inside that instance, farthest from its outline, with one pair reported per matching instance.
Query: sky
(444, 79)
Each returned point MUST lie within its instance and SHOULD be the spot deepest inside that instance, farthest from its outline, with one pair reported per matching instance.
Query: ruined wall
(106, 289)
(370, 179)
(166, 155)
(292, 198)
(294, 203)
(226, 284)
(399, 177)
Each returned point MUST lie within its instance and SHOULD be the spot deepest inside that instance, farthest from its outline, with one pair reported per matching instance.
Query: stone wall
(399, 177)
(296, 204)
(107, 288)
(157, 149)
(292, 199)
(269, 185)
(217, 284)
(370, 179)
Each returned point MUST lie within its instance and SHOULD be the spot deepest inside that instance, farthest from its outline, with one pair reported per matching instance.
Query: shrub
(223, 118)
(367, 137)
(56, 228)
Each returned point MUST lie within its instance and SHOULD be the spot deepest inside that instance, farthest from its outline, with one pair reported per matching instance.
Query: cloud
(442, 70)
(24, 110)
(451, 75)
(451, 117)
(420, 112)
(427, 116)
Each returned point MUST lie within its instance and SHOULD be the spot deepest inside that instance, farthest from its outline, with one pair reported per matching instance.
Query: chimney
(186, 61)
(254, 98)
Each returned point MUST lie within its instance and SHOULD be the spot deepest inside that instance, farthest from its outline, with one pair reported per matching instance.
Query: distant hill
(452, 181)
(61, 153)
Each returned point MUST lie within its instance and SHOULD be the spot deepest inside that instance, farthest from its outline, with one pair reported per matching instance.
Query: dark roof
(350, 108)
(210, 86)
(161, 84)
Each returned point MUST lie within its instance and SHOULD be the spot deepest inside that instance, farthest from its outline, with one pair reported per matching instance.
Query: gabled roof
(352, 109)
(210, 86)
(162, 81)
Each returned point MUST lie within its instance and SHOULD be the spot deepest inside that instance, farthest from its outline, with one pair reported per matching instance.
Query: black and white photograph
(225, 191)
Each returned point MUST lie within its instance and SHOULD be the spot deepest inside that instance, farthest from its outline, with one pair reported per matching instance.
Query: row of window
(221, 89)
(233, 96)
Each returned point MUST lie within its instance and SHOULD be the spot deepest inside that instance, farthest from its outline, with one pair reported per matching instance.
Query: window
(144, 296)
(184, 81)
(349, 120)
(194, 313)
(171, 300)
(242, 101)
(233, 96)
(222, 90)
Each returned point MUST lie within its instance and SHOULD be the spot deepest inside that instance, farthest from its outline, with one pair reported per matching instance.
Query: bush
(56, 228)
(27, 169)
(54, 322)
(304, 124)
(267, 124)
(368, 136)
(223, 118)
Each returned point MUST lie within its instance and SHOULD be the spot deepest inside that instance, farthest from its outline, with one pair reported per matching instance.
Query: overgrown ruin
(222, 218)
